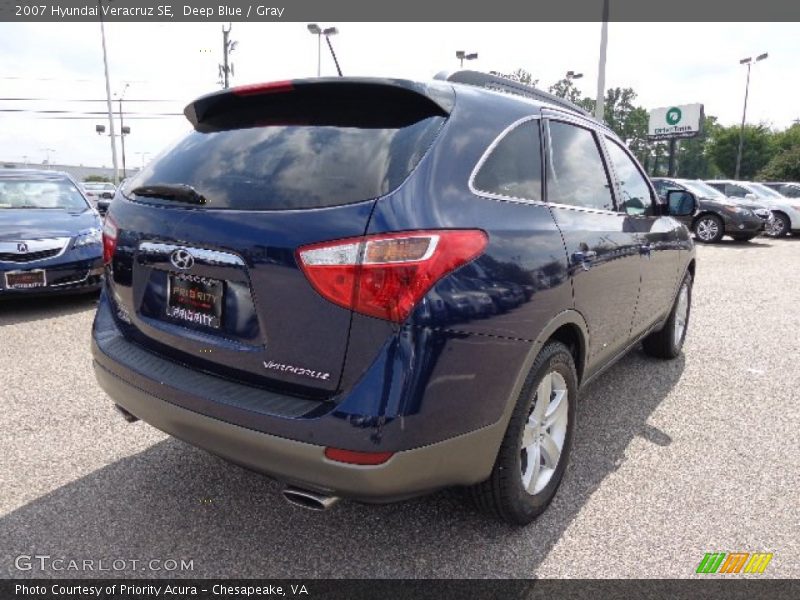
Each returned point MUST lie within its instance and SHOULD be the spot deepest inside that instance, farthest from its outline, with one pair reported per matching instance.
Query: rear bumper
(285, 436)
(461, 460)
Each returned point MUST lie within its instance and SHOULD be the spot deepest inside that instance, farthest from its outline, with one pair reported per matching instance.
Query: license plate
(20, 280)
(196, 300)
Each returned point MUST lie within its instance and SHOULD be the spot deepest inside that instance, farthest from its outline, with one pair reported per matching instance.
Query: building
(78, 172)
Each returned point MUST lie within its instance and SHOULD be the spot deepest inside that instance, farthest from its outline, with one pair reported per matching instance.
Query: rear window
(293, 166)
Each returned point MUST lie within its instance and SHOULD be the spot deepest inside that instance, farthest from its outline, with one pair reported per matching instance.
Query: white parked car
(786, 210)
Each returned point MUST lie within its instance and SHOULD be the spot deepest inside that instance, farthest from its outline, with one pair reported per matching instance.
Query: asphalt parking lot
(672, 460)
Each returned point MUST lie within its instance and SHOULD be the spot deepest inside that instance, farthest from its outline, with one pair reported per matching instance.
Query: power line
(78, 100)
(79, 112)
(87, 118)
(96, 80)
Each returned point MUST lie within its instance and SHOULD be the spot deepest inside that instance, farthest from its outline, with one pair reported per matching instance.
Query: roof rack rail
(501, 84)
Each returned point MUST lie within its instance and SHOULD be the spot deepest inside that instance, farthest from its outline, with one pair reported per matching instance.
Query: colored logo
(674, 115)
(734, 562)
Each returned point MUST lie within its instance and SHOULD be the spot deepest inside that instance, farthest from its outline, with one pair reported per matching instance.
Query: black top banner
(408, 10)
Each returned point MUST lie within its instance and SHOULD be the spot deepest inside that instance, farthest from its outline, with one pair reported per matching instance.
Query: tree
(783, 167)
(757, 151)
(694, 161)
(786, 139)
(97, 178)
(565, 88)
(629, 122)
(520, 76)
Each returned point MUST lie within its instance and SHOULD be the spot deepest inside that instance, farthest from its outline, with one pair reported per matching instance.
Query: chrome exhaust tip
(130, 418)
(308, 499)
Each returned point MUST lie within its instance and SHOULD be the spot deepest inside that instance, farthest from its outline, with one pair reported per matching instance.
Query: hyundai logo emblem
(22, 248)
(181, 259)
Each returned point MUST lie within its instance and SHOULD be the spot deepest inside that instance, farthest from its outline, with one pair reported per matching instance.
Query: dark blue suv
(376, 288)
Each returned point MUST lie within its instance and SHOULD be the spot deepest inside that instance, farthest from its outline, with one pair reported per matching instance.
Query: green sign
(674, 115)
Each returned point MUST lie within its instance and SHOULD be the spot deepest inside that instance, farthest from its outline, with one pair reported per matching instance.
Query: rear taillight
(109, 239)
(386, 275)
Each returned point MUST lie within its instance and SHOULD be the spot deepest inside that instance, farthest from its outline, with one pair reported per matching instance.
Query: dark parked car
(717, 215)
(99, 194)
(49, 235)
(273, 280)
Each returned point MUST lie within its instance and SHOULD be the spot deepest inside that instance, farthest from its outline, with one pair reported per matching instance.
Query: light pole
(108, 94)
(462, 56)
(315, 29)
(47, 152)
(599, 105)
(226, 68)
(142, 155)
(749, 62)
(123, 130)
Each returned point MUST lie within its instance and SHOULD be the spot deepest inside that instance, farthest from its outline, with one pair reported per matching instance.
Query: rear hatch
(204, 264)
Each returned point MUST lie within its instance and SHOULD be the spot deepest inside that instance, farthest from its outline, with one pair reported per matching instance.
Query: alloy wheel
(681, 314)
(545, 433)
(707, 229)
(778, 227)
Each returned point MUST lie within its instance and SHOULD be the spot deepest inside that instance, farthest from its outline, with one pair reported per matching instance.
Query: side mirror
(681, 203)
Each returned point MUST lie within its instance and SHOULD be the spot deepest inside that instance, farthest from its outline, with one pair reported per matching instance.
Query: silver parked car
(785, 210)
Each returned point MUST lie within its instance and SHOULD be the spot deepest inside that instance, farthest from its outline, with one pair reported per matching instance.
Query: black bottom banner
(388, 589)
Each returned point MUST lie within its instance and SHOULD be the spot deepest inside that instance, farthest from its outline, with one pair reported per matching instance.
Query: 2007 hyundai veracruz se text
(376, 288)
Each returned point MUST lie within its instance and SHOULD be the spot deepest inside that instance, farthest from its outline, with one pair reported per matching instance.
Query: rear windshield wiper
(179, 192)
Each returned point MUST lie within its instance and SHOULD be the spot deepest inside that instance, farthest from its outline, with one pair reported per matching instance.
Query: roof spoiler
(339, 101)
(501, 84)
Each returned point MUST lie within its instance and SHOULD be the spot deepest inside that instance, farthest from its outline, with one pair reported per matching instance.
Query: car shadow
(727, 243)
(34, 308)
(173, 501)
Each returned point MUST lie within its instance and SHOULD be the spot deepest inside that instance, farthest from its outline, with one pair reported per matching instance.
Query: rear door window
(514, 167)
(576, 174)
(735, 191)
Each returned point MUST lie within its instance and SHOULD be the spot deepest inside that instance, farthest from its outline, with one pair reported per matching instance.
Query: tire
(709, 229)
(668, 342)
(781, 226)
(504, 494)
(743, 238)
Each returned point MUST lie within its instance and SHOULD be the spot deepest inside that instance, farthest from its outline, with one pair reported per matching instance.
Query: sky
(665, 63)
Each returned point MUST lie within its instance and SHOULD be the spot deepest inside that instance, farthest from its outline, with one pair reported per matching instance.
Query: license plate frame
(41, 276)
(195, 300)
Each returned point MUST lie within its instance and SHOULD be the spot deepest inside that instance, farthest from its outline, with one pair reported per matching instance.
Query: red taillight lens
(386, 275)
(353, 457)
(109, 239)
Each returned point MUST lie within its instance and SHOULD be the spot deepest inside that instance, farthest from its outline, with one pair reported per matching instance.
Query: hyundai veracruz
(374, 288)
(49, 235)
